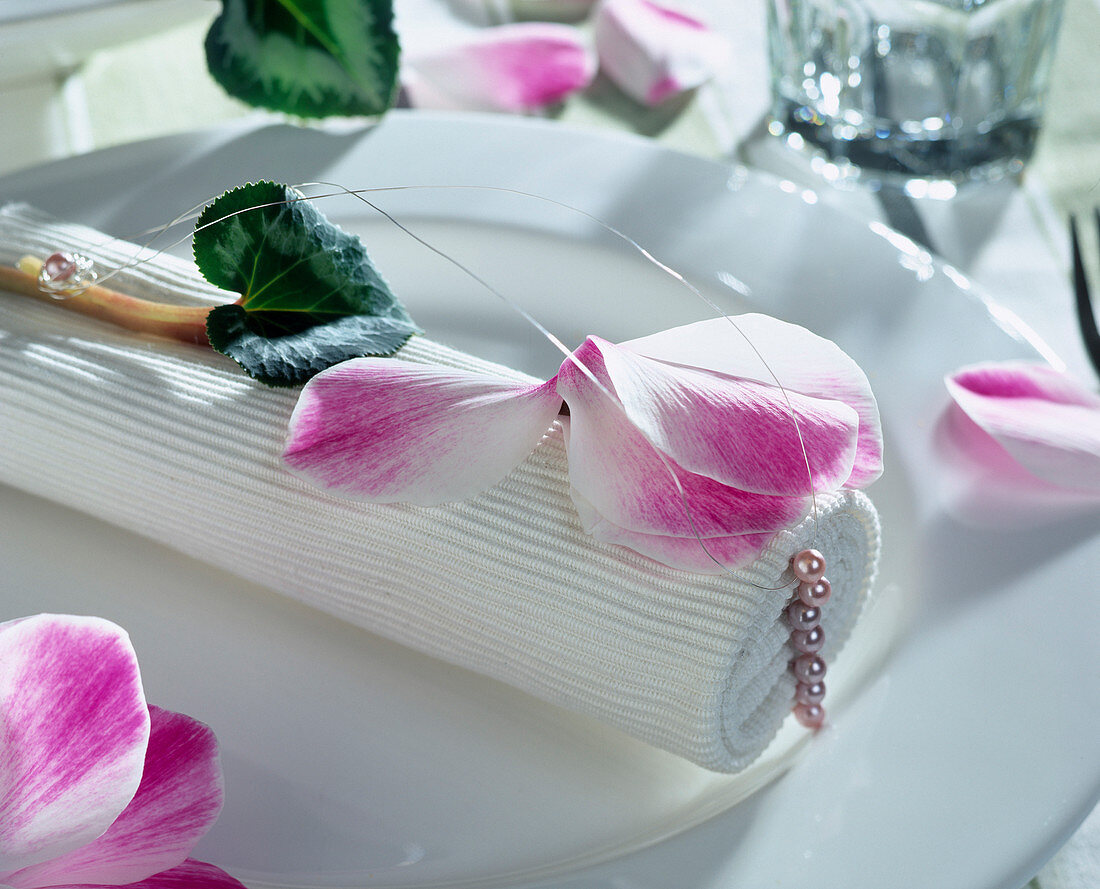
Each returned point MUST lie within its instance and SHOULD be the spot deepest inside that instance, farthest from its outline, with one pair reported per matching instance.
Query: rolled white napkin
(175, 443)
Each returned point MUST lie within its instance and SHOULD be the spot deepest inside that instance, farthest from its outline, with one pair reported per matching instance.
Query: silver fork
(1086, 317)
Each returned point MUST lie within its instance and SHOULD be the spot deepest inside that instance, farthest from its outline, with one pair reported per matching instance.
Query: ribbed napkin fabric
(176, 443)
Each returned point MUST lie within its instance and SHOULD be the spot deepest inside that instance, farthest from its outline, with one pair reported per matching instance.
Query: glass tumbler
(912, 89)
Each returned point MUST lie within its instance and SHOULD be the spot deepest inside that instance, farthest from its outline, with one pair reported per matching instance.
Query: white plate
(964, 760)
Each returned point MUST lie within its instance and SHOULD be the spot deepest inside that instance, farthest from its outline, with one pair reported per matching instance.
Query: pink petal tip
(1045, 420)
(512, 68)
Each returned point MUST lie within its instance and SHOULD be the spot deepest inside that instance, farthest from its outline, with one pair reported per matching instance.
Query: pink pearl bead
(808, 668)
(801, 616)
(59, 267)
(808, 565)
(813, 693)
(810, 715)
(808, 641)
(816, 593)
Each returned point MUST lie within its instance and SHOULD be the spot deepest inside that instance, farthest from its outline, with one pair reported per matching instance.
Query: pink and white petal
(709, 555)
(739, 432)
(636, 487)
(759, 347)
(191, 874)
(1042, 418)
(652, 51)
(387, 430)
(73, 734)
(1023, 380)
(513, 68)
(178, 801)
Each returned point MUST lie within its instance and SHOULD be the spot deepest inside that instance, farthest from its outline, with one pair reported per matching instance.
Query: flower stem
(184, 323)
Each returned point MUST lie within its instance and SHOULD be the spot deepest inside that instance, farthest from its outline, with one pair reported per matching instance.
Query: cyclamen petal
(74, 733)
(710, 555)
(739, 346)
(631, 485)
(388, 430)
(191, 874)
(653, 52)
(178, 801)
(1048, 423)
(514, 68)
(737, 432)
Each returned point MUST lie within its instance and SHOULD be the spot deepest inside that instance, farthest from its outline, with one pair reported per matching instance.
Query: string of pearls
(808, 637)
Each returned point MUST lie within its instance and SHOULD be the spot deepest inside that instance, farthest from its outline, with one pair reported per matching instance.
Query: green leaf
(310, 296)
(292, 359)
(312, 58)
